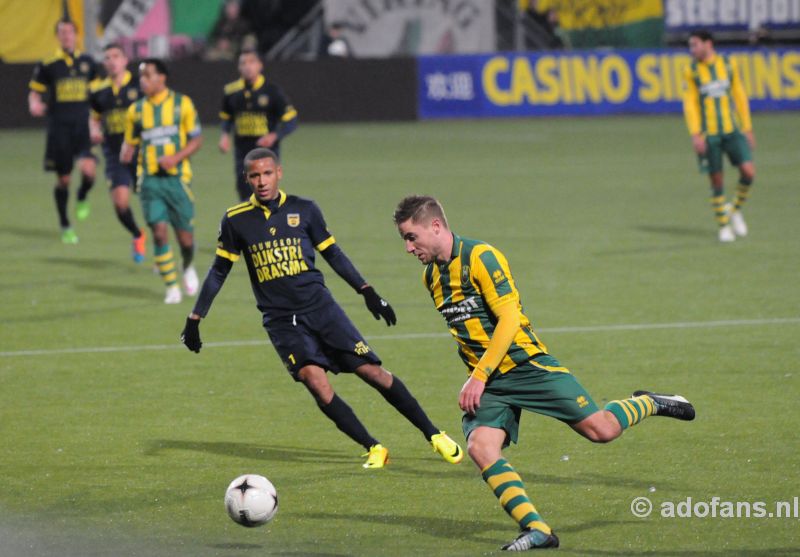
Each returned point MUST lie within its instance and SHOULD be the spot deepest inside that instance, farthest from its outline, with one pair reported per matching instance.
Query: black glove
(191, 335)
(378, 306)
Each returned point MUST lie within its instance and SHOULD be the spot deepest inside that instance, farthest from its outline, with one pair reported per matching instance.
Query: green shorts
(732, 144)
(527, 387)
(167, 199)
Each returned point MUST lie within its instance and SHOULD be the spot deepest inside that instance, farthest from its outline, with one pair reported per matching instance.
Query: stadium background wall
(330, 90)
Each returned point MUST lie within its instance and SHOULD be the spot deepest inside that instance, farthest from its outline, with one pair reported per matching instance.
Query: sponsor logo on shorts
(361, 348)
(582, 402)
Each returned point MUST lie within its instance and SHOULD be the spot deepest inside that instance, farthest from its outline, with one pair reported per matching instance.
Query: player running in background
(277, 234)
(718, 117)
(165, 126)
(110, 99)
(65, 79)
(509, 368)
(257, 113)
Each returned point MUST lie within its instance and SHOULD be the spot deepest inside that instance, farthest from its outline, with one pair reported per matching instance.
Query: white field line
(548, 330)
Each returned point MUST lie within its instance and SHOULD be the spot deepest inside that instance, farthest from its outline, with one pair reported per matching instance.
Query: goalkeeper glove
(378, 306)
(191, 335)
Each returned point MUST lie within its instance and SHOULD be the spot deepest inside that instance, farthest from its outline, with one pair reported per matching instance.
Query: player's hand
(699, 144)
(224, 143)
(267, 140)
(470, 397)
(751, 139)
(37, 109)
(168, 162)
(190, 336)
(378, 306)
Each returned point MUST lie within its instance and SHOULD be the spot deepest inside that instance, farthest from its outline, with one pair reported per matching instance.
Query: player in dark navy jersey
(276, 234)
(109, 100)
(257, 113)
(65, 79)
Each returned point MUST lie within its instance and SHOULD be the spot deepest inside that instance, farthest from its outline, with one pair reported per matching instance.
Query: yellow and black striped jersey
(467, 290)
(715, 101)
(162, 125)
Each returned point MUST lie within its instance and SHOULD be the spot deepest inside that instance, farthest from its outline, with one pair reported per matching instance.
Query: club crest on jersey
(465, 274)
(293, 219)
(263, 100)
(84, 67)
(132, 94)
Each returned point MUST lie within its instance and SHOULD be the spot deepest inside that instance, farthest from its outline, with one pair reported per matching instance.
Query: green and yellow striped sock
(166, 265)
(742, 193)
(631, 411)
(507, 486)
(720, 211)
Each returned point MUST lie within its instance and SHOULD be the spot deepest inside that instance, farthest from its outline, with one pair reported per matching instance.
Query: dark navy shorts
(326, 338)
(66, 141)
(117, 173)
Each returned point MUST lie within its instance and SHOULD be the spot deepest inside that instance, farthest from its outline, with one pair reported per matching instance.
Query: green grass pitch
(118, 441)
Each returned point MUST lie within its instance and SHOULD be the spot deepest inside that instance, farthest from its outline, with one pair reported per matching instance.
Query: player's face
(264, 175)
(423, 241)
(699, 49)
(67, 37)
(115, 62)
(249, 66)
(150, 80)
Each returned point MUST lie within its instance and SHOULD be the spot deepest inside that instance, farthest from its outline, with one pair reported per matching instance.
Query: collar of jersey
(125, 80)
(257, 83)
(159, 98)
(456, 249)
(710, 61)
(61, 53)
(254, 200)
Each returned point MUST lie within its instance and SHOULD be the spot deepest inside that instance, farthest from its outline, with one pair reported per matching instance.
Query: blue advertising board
(590, 82)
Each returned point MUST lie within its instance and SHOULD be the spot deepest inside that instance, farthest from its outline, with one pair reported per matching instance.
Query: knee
(375, 375)
(481, 451)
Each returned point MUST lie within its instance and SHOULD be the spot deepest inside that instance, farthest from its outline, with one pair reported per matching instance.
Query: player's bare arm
(36, 106)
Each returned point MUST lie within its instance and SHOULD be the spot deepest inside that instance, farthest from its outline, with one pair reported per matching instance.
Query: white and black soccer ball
(251, 500)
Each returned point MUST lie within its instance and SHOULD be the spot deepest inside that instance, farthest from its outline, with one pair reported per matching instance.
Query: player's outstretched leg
(672, 406)
(395, 392)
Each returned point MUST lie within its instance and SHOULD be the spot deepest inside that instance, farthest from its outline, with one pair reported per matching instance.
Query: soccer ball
(251, 500)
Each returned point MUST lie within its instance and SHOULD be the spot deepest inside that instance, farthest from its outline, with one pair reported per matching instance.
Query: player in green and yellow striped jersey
(717, 115)
(165, 126)
(509, 367)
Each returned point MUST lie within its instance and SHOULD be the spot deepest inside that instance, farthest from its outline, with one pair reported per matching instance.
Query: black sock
(188, 255)
(125, 216)
(62, 196)
(398, 396)
(347, 422)
(86, 185)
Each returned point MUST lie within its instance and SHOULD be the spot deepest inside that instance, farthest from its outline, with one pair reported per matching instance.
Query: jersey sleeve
(132, 126)
(226, 110)
(318, 230)
(40, 80)
(190, 121)
(691, 102)
(491, 273)
(227, 246)
(740, 98)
